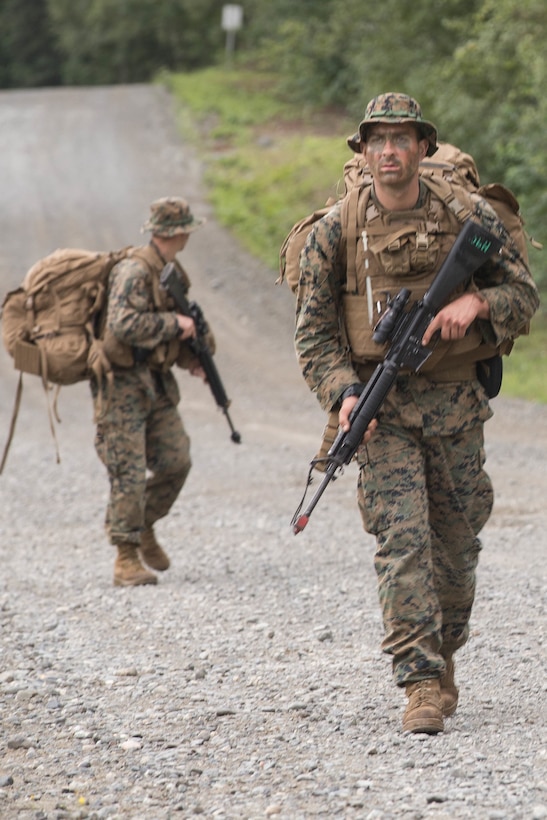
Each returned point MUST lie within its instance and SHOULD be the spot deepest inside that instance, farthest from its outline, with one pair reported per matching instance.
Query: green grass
(261, 192)
(236, 99)
(267, 164)
(525, 370)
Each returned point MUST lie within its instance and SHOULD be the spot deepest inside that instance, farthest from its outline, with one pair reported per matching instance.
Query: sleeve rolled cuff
(353, 390)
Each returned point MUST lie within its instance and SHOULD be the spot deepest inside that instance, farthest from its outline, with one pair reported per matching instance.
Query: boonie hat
(394, 108)
(171, 216)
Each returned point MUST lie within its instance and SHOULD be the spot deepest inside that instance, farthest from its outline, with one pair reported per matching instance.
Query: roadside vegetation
(267, 162)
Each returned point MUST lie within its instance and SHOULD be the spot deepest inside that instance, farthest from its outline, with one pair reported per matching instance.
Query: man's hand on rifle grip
(454, 320)
(187, 327)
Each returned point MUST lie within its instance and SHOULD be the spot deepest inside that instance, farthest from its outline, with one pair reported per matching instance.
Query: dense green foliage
(89, 42)
(28, 53)
(111, 41)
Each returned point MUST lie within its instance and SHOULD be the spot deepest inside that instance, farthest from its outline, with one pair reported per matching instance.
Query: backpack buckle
(422, 241)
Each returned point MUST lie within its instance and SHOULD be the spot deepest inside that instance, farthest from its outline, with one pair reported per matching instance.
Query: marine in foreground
(422, 491)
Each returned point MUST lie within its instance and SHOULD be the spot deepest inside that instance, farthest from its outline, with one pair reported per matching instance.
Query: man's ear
(424, 148)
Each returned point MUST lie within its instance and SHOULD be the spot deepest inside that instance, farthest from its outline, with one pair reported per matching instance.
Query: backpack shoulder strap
(352, 216)
(150, 257)
(146, 254)
(455, 198)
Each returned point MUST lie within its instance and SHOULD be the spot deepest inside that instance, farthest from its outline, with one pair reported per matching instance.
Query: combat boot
(152, 553)
(128, 570)
(423, 713)
(449, 690)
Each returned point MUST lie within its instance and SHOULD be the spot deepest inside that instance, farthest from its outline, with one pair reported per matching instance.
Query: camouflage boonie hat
(171, 216)
(394, 108)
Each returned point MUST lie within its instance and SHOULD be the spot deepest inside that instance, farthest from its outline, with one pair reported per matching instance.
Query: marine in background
(140, 435)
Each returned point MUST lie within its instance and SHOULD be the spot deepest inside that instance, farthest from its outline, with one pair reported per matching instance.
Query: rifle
(473, 246)
(171, 281)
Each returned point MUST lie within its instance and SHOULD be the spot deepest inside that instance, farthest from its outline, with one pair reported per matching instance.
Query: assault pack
(50, 324)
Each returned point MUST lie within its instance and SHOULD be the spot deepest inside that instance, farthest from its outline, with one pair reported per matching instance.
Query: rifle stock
(473, 246)
(172, 282)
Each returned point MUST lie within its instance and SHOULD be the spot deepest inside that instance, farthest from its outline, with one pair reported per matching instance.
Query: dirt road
(249, 683)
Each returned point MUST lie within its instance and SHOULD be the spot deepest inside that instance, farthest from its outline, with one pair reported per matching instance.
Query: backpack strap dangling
(51, 408)
(51, 413)
(15, 413)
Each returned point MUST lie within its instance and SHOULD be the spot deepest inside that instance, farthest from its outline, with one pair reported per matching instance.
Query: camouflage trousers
(425, 499)
(142, 443)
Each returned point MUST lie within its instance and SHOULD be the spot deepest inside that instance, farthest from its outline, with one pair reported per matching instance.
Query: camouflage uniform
(139, 428)
(422, 489)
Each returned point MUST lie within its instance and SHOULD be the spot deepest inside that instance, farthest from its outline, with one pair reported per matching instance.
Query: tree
(28, 52)
(111, 41)
(497, 79)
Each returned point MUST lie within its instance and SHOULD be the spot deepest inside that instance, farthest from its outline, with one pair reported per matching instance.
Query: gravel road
(249, 683)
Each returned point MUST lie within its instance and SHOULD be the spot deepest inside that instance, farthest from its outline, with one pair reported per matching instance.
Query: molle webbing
(355, 214)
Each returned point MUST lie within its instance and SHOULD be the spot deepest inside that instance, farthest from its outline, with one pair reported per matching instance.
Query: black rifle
(170, 279)
(405, 330)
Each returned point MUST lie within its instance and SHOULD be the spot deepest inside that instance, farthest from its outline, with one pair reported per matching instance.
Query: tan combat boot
(152, 553)
(128, 570)
(449, 690)
(423, 713)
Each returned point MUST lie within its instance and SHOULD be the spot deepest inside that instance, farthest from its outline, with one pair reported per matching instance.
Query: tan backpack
(50, 323)
(293, 244)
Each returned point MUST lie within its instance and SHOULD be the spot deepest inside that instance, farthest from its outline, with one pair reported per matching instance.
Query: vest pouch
(359, 327)
(118, 353)
(490, 375)
(64, 356)
(407, 253)
(362, 314)
(395, 260)
(164, 356)
(452, 356)
(26, 357)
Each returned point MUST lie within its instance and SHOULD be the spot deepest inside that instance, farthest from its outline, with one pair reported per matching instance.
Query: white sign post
(232, 19)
